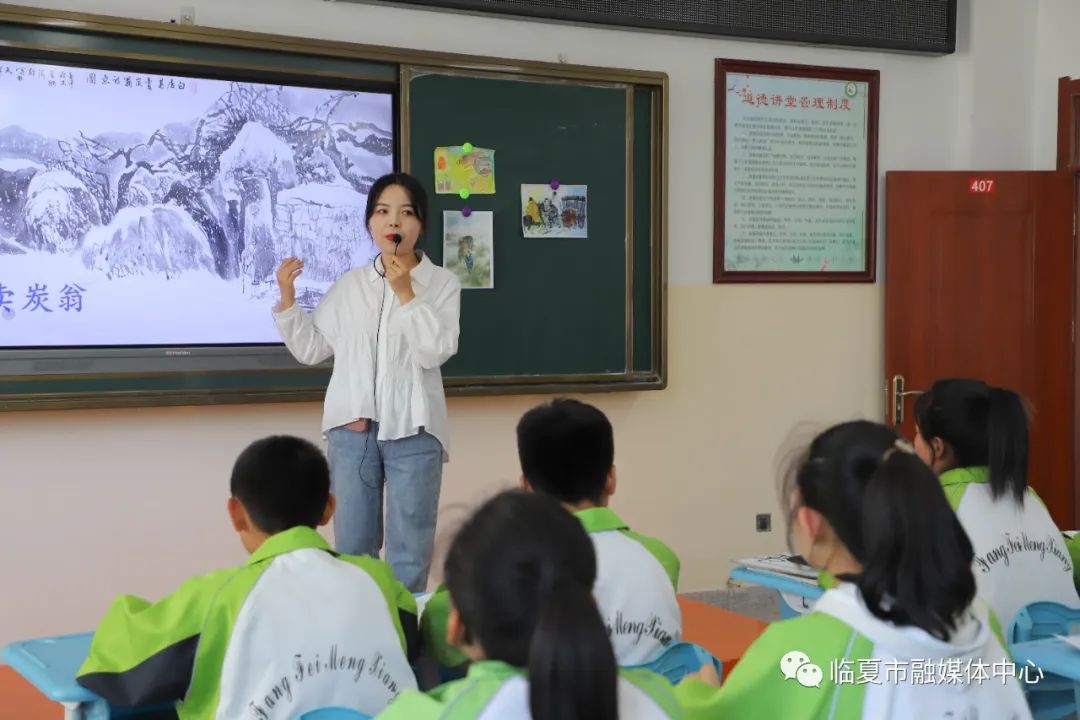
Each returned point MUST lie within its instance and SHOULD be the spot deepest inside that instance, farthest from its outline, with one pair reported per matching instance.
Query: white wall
(1057, 55)
(997, 46)
(93, 503)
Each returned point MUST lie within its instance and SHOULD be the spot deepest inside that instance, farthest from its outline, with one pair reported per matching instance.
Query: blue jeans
(411, 471)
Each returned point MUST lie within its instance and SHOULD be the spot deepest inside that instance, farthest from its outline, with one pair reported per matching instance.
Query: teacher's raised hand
(290, 269)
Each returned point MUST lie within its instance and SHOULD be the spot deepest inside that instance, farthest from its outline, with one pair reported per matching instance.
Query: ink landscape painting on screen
(147, 209)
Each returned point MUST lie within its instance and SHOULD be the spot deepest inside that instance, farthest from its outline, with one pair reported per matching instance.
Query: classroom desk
(1053, 655)
(723, 633)
(797, 595)
(48, 665)
(19, 699)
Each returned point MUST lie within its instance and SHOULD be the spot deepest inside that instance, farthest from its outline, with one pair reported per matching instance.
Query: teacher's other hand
(400, 279)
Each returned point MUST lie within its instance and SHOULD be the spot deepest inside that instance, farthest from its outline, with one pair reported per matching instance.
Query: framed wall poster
(795, 188)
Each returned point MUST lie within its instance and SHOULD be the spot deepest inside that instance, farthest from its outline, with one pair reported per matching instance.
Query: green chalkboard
(559, 305)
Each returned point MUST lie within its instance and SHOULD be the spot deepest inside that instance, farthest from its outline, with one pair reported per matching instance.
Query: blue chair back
(334, 713)
(1040, 620)
(680, 659)
(1054, 697)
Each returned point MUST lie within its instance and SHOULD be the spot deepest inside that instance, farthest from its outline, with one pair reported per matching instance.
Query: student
(867, 510)
(295, 628)
(567, 451)
(520, 574)
(976, 438)
(389, 327)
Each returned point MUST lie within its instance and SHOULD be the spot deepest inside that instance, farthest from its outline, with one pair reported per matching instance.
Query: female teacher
(390, 325)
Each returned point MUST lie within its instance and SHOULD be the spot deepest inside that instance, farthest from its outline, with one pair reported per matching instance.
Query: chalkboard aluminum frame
(52, 391)
(745, 67)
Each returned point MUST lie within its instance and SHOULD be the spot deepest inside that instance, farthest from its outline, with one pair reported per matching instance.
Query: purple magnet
(554, 184)
(466, 211)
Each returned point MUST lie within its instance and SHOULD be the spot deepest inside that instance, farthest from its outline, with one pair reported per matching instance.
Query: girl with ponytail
(866, 509)
(975, 437)
(520, 575)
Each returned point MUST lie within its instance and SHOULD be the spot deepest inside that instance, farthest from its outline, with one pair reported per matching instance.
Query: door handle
(897, 393)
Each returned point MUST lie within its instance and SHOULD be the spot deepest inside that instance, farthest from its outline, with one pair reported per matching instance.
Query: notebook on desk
(782, 563)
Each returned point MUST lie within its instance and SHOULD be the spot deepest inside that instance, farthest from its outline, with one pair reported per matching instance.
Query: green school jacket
(757, 688)
(493, 690)
(1020, 555)
(637, 577)
(1073, 546)
(296, 627)
(850, 654)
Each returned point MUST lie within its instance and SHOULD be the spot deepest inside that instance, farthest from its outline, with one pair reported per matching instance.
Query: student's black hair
(413, 188)
(888, 509)
(982, 425)
(520, 573)
(283, 482)
(566, 449)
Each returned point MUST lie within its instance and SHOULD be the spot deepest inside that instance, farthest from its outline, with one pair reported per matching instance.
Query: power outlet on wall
(763, 522)
(187, 15)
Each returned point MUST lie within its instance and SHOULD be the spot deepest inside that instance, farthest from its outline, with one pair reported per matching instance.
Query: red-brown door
(979, 274)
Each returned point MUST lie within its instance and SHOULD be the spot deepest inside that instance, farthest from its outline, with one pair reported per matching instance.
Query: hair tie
(899, 444)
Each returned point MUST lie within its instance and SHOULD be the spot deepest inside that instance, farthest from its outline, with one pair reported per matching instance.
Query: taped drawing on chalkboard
(457, 169)
(469, 248)
(555, 213)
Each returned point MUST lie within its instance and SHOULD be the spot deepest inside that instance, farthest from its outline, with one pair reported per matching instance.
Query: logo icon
(796, 665)
(851, 89)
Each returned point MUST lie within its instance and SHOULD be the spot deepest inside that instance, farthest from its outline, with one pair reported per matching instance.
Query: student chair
(334, 713)
(1040, 620)
(679, 660)
(1054, 696)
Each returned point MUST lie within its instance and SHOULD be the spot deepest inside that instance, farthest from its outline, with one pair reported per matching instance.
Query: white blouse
(399, 353)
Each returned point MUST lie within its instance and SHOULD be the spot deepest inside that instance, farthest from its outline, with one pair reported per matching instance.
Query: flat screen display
(149, 210)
